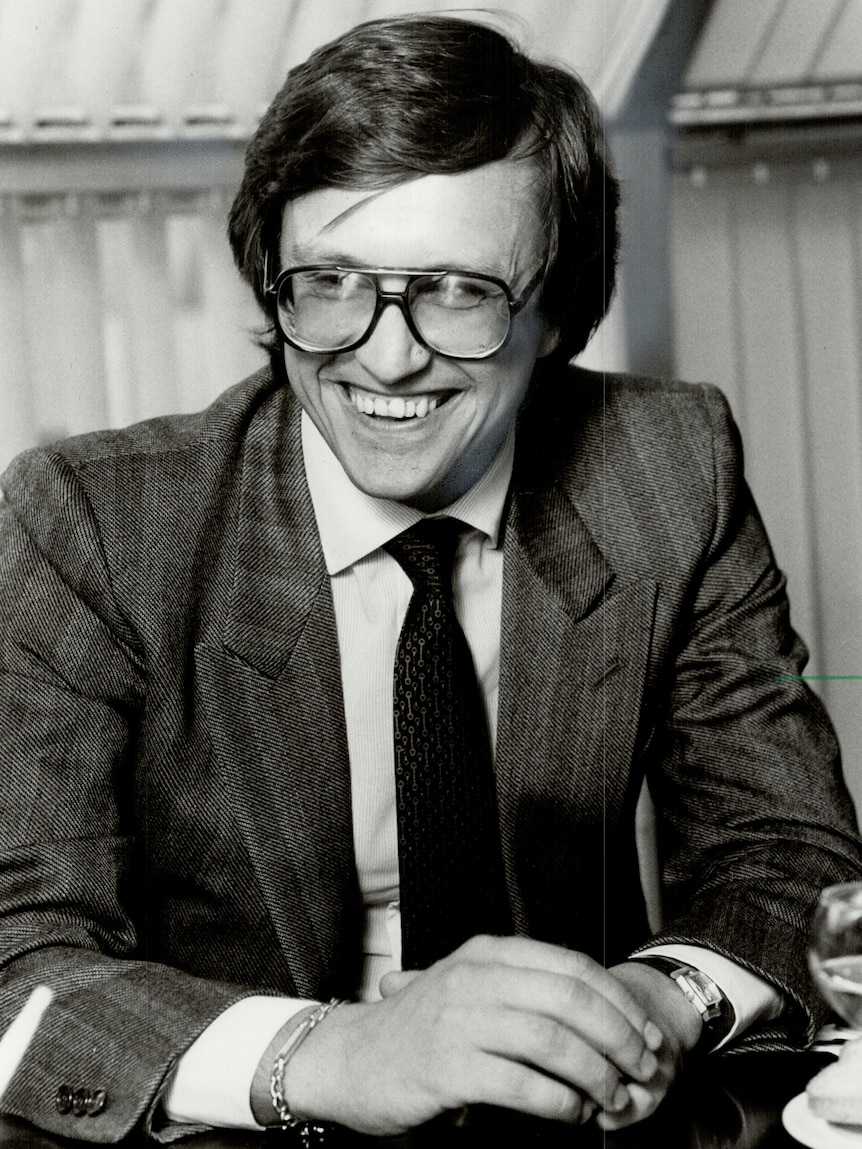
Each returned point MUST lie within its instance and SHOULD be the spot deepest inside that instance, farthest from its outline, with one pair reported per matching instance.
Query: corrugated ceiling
(101, 70)
(761, 60)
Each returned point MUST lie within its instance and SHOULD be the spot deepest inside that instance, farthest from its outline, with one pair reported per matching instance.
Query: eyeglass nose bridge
(401, 299)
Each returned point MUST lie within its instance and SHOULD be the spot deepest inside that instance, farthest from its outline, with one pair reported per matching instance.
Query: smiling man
(461, 407)
(324, 713)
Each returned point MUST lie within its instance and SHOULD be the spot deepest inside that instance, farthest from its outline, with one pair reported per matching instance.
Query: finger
(546, 1001)
(556, 1050)
(512, 1085)
(396, 980)
(526, 953)
(642, 1102)
(588, 1109)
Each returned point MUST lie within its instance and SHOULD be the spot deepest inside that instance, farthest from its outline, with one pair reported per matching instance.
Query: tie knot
(426, 552)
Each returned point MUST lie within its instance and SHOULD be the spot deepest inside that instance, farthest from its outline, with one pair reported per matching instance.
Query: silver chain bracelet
(276, 1081)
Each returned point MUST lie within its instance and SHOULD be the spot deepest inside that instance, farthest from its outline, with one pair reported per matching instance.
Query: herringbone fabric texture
(450, 861)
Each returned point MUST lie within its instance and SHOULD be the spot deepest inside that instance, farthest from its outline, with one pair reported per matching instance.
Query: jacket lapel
(574, 652)
(276, 711)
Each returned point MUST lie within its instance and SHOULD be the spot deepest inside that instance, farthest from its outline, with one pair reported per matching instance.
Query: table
(732, 1102)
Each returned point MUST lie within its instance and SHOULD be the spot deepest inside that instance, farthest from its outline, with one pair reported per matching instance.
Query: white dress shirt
(370, 595)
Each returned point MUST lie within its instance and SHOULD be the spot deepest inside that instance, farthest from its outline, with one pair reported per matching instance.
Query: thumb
(396, 980)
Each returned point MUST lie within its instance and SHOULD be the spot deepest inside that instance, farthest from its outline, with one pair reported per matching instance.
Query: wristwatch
(715, 1010)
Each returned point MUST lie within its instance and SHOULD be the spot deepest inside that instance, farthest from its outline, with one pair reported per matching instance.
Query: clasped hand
(502, 1021)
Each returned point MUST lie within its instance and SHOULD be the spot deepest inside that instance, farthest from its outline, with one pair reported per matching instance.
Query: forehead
(486, 219)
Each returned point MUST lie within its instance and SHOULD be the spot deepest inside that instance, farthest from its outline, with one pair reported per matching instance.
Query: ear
(549, 342)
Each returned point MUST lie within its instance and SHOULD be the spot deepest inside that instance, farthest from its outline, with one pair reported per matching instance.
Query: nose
(392, 353)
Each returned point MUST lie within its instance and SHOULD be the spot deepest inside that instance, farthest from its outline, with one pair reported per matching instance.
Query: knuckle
(554, 1100)
(579, 963)
(573, 993)
(627, 1045)
(468, 983)
(634, 1050)
(545, 1039)
(569, 1106)
(478, 946)
(621, 1034)
(458, 980)
(579, 999)
(599, 1079)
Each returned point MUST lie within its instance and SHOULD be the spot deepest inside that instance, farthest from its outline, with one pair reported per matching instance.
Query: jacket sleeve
(754, 817)
(72, 684)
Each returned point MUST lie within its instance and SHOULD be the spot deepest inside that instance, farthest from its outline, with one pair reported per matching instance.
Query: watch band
(701, 991)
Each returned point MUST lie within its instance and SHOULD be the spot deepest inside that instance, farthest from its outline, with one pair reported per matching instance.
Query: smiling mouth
(380, 407)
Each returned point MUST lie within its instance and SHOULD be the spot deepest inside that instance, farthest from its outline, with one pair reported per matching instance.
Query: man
(200, 618)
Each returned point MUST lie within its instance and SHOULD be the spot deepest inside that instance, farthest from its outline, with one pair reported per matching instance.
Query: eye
(331, 283)
(458, 292)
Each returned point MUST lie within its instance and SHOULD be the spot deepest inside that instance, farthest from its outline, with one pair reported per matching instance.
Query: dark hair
(395, 99)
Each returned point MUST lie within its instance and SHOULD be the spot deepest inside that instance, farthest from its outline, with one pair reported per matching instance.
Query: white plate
(813, 1131)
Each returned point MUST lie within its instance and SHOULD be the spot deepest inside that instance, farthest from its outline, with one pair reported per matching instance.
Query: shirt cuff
(211, 1083)
(752, 998)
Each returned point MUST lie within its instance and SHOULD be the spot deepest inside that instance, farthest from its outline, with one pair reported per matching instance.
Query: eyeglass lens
(327, 309)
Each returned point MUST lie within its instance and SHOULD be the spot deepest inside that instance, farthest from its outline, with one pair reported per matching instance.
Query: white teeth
(395, 408)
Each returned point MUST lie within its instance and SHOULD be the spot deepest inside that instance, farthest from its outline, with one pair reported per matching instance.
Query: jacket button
(63, 1100)
(96, 1102)
(79, 1102)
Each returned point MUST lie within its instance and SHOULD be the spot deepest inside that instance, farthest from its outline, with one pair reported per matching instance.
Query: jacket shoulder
(163, 455)
(622, 400)
(224, 419)
(162, 491)
(584, 422)
(653, 467)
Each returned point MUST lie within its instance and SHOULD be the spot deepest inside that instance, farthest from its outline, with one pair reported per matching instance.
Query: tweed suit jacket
(175, 829)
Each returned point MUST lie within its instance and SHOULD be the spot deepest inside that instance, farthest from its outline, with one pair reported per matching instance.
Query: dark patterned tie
(450, 862)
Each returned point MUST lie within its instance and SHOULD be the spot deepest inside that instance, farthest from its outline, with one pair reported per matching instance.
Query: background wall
(780, 245)
(122, 129)
(766, 293)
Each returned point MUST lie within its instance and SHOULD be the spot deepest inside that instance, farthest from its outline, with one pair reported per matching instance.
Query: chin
(423, 498)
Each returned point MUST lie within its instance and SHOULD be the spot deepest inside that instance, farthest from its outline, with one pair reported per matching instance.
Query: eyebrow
(303, 254)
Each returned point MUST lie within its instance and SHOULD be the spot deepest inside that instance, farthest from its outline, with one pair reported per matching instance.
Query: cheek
(499, 399)
(302, 371)
(511, 379)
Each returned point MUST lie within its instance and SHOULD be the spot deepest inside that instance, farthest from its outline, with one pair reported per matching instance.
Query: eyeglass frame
(400, 298)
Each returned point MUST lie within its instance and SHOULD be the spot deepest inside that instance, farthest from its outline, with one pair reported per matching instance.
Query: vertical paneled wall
(768, 304)
(115, 307)
(117, 297)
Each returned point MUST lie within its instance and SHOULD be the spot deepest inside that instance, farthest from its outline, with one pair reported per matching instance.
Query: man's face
(483, 221)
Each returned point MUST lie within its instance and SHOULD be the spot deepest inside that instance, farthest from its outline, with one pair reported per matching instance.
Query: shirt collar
(352, 524)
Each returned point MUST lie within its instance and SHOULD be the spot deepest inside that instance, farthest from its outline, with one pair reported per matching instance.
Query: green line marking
(817, 677)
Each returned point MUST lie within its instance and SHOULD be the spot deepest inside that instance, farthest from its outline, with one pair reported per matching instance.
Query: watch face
(701, 991)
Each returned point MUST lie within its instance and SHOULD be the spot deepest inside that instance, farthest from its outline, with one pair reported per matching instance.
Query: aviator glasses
(460, 314)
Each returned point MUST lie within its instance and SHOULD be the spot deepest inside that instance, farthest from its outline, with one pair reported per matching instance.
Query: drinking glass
(835, 956)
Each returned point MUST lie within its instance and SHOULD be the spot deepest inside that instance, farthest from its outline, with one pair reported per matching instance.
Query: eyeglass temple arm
(523, 298)
(267, 280)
